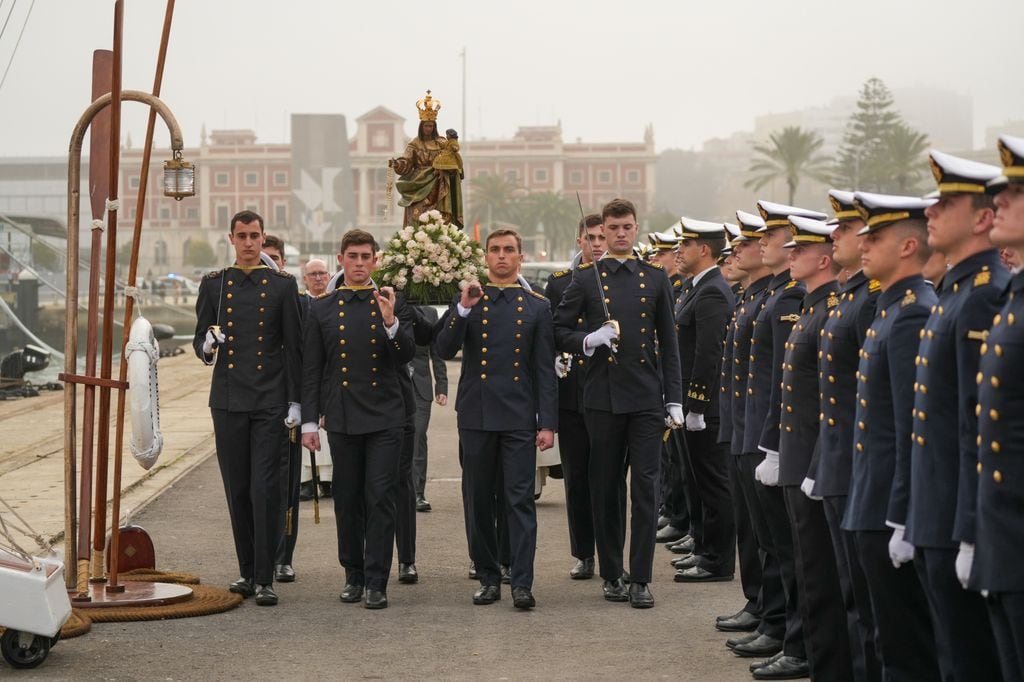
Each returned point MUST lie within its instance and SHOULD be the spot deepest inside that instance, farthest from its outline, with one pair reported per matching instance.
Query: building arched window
(160, 252)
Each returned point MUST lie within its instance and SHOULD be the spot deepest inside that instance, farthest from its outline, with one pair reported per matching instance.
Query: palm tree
(559, 214)
(903, 149)
(789, 155)
(494, 198)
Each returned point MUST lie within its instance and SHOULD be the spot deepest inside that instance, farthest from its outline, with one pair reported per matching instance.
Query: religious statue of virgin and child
(430, 171)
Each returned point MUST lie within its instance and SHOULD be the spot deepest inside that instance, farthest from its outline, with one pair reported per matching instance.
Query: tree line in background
(880, 152)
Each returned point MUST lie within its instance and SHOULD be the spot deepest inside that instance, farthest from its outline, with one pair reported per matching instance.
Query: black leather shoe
(472, 571)
(760, 664)
(506, 575)
(625, 577)
(744, 621)
(583, 570)
(326, 489)
(265, 596)
(761, 647)
(407, 574)
(690, 561)
(700, 575)
(376, 599)
(306, 491)
(663, 521)
(684, 546)
(284, 573)
(487, 594)
(734, 642)
(640, 596)
(729, 617)
(785, 668)
(352, 593)
(243, 586)
(522, 598)
(615, 590)
(669, 534)
(422, 505)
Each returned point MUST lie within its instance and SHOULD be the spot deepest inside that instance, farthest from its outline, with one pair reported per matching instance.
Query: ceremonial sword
(600, 293)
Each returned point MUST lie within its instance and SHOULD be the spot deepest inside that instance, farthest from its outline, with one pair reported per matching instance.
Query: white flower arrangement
(431, 261)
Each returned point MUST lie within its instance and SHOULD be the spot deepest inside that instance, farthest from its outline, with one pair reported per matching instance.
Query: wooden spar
(99, 538)
(133, 265)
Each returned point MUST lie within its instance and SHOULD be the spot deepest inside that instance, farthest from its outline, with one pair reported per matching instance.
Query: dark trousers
(860, 621)
(251, 451)
(773, 595)
(676, 500)
(365, 487)
(574, 449)
(419, 455)
(1006, 611)
(405, 529)
(821, 600)
(618, 441)
(749, 552)
(290, 482)
(500, 518)
(514, 454)
(903, 635)
(707, 470)
(963, 632)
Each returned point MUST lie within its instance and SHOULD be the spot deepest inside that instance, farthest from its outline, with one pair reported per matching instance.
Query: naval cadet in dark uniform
(507, 406)
(777, 314)
(928, 512)
(573, 441)
(817, 578)
(701, 315)
(766, 617)
(632, 379)
(828, 477)
(356, 343)
(247, 326)
(998, 550)
(893, 252)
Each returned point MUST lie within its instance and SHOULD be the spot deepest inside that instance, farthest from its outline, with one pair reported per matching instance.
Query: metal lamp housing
(179, 178)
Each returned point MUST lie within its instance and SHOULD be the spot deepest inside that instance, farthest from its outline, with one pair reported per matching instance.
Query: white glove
(675, 418)
(294, 417)
(695, 421)
(767, 472)
(900, 551)
(807, 487)
(562, 366)
(964, 562)
(213, 339)
(605, 335)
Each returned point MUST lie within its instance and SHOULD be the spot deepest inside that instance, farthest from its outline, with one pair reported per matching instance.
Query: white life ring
(143, 353)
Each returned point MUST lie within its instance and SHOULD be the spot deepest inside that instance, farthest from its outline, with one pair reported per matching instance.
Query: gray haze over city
(694, 70)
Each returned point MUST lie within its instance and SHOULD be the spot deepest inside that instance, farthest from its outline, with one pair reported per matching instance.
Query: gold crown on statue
(428, 107)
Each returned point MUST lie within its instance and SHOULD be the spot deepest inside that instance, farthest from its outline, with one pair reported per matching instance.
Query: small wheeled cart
(34, 605)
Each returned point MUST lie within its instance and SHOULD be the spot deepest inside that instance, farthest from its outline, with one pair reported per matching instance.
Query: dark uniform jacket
(570, 388)
(508, 380)
(724, 374)
(678, 283)
(351, 369)
(426, 358)
(776, 315)
(739, 365)
(945, 432)
(999, 534)
(639, 297)
(259, 365)
(845, 331)
(798, 439)
(701, 314)
(885, 397)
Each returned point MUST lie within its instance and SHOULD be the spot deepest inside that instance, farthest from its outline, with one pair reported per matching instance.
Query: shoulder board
(792, 283)
(560, 273)
(284, 273)
(656, 266)
(584, 266)
(793, 317)
(325, 295)
(215, 273)
(874, 286)
(983, 277)
(677, 284)
(536, 295)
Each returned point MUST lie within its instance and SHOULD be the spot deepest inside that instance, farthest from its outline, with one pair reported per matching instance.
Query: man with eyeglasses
(316, 276)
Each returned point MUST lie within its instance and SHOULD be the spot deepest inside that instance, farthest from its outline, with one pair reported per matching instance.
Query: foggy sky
(694, 70)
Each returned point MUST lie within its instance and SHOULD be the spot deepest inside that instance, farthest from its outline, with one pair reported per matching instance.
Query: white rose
(425, 217)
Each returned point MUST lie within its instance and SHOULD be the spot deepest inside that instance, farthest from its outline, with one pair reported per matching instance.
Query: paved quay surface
(431, 630)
